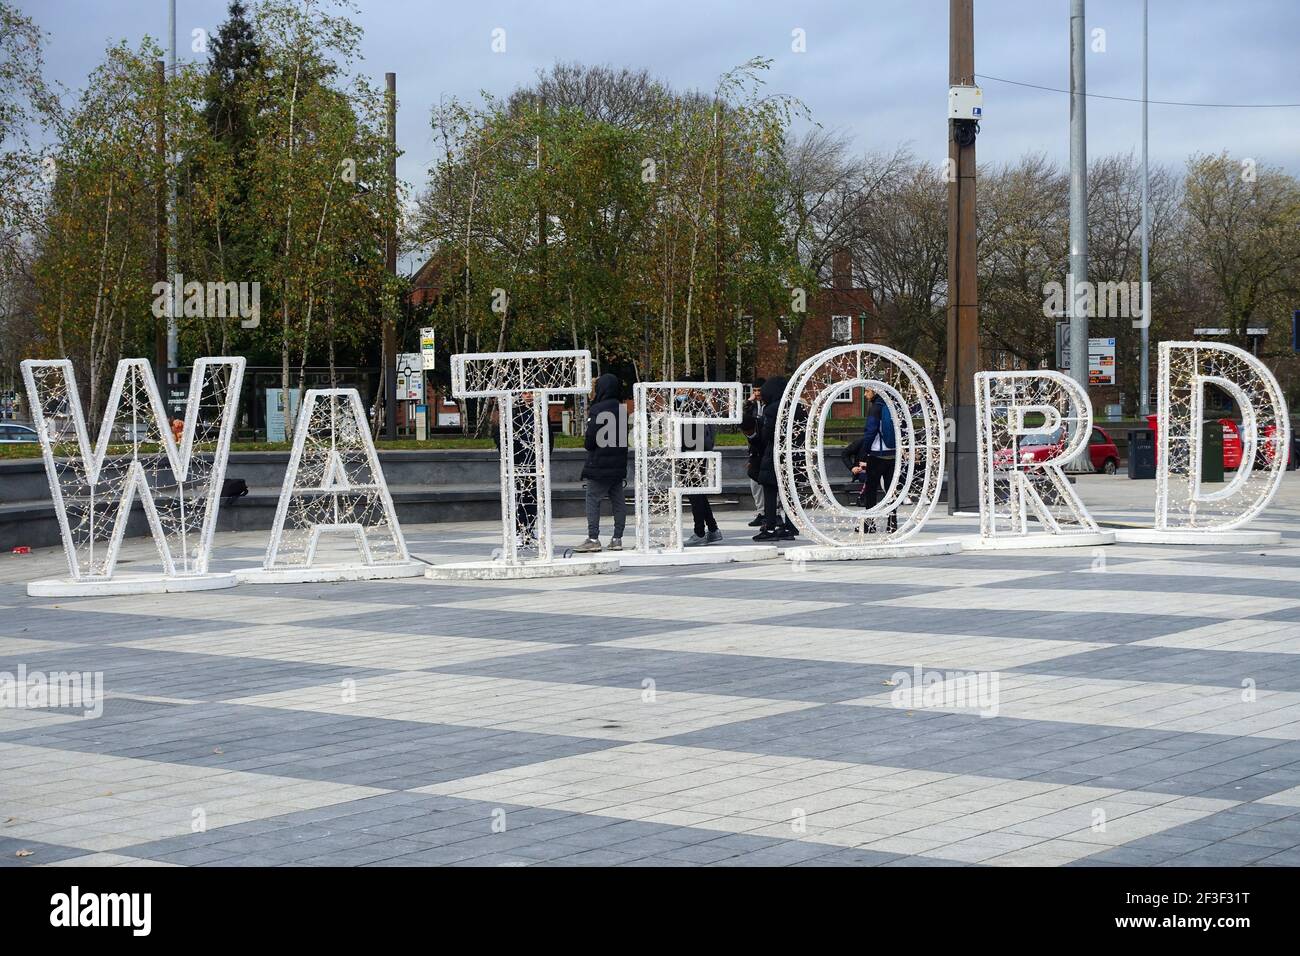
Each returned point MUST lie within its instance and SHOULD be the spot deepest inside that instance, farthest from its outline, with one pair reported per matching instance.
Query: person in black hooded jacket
(750, 419)
(773, 529)
(605, 471)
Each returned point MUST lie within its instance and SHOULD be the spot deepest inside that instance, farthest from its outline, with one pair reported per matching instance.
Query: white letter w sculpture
(179, 485)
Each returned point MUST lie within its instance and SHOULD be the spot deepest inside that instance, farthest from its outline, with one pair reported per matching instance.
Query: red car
(1231, 441)
(1035, 448)
(1102, 451)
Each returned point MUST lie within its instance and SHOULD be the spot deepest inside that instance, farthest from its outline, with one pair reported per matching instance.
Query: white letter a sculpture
(179, 484)
(334, 485)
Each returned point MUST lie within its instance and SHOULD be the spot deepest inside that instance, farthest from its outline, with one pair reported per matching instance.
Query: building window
(841, 328)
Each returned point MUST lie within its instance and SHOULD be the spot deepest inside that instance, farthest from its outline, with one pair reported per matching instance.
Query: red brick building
(839, 314)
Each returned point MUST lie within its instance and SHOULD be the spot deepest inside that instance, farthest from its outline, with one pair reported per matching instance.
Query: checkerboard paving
(1131, 705)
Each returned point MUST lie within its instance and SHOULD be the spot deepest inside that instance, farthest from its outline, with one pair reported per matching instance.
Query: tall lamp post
(1144, 382)
(963, 308)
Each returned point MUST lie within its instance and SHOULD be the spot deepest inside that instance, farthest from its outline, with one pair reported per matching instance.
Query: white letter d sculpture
(179, 484)
(1185, 512)
(334, 485)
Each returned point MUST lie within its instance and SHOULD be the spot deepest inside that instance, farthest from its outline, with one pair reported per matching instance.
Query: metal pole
(1144, 385)
(173, 352)
(389, 350)
(1078, 208)
(163, 274)
(963, 298)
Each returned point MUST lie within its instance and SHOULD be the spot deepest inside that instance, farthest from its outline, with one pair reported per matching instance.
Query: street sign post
(1101, 356)
(410, 377)
(427, 352)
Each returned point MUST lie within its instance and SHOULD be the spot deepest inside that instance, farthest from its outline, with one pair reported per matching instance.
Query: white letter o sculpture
(807, 490)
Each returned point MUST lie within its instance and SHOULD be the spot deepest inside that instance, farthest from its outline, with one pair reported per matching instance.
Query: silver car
(11, 433)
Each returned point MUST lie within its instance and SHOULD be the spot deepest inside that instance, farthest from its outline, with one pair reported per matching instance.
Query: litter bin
(1141, 453)
(1212, 450)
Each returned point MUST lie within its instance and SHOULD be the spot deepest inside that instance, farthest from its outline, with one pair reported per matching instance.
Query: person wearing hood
(750, 419)
(605, 471)
(772, 528)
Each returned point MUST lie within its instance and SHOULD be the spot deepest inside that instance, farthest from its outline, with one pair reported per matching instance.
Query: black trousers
(771, 501)
(702, 513)
(880, 471)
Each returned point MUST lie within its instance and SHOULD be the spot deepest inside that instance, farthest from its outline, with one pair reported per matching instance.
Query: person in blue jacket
(879, 448)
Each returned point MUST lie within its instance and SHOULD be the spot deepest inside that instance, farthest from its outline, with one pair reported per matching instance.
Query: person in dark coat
(605, 472)
(701, 437)
(749, 423)
(773, 529)
(878, 457)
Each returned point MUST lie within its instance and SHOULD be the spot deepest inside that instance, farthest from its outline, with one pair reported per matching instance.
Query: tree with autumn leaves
(279, 161)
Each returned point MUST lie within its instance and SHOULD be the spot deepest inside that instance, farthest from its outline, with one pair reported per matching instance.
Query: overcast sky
(874, 69)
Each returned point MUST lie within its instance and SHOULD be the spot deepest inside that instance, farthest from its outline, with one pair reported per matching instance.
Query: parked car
(11, 433)
(1102, 452)
(1265, 450)
(1231, 440)
(1033, 448)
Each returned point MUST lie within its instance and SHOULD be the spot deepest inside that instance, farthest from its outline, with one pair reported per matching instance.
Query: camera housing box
(965, 103)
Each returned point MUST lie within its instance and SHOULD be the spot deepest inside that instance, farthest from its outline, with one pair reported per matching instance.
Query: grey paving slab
(19, 852)
(1115, 579)
(675, 585)
(727, 674)
(1173, 665)
(187, 676)
(511, 625)
(369, 752)
(1103, 626)
(1155, 761)
(66, 623)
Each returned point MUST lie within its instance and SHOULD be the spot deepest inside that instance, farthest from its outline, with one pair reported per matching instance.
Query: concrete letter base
(130, 584)
(501, 571)
(1193, 536)
(705, 554)
(1015, 542)
(907, 549)
(323, 574)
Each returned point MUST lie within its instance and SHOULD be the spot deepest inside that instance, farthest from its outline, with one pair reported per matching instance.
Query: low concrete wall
(427, 487)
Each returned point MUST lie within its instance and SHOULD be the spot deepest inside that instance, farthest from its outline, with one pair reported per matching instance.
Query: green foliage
(585, 209)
